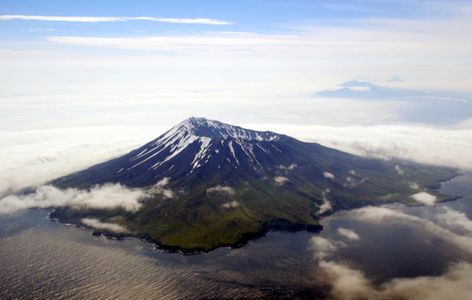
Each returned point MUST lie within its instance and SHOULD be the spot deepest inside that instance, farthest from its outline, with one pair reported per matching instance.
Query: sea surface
(40, 259)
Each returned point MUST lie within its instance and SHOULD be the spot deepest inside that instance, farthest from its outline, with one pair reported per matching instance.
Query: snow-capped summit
(214, 129)
(211, 137)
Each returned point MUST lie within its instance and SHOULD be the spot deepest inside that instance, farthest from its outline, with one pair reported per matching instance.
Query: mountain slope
(215, 184)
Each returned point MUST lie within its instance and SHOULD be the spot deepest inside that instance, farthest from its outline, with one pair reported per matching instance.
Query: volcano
(214, 184)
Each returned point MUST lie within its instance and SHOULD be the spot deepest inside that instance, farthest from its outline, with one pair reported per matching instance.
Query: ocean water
(40, 259)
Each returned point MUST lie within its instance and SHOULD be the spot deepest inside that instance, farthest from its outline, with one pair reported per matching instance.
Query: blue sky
(256, 16)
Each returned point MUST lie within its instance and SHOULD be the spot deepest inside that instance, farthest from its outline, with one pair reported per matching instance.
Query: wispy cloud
(36, 29)
(97, 224)
(221, 189)
(246, 41)
(161, 188)
(90, 19)
(348, 233)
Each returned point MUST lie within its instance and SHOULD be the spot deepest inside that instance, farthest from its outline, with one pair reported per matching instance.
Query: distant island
(214, 184)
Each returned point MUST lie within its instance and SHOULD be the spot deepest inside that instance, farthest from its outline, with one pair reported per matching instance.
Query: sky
(83, 81)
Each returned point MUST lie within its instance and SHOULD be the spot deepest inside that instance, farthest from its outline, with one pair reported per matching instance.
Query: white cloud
(399, 170)
(323, 247)
(205, 21)
(287, 169)
(326, 205)
(328, 175)
(414, 185)
(40, 29)
(221, 189)
(347, 283)
(290, 167)
(230, 204)
(97, 224)
(454, 220)
(348, 233)
(163, 182)
(425, 198)
(352, 182)
(107, 196)
(212, 42)
(280, 180)
(160, 189)
(88, 19)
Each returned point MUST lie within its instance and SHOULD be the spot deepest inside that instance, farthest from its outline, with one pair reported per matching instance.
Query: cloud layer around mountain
(448, 146)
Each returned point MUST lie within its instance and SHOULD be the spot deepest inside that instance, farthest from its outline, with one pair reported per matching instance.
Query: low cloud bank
(431, 145)
(30, 158)
(445, 147)
(97, 224)
(107, 196)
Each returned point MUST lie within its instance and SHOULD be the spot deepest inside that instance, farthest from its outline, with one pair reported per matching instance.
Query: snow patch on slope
(205, 144)
(231, 149)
